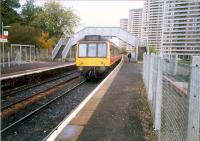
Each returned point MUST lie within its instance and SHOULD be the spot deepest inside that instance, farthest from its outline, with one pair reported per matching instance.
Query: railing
(173, 91)
(103, 31)
(17, 54)
(57, 47)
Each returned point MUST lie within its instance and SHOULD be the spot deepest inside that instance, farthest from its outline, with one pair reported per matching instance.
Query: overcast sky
(97, 13)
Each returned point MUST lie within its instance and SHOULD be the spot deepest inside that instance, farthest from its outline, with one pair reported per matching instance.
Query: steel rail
(38, 84)
(40, 108)
(24, 99)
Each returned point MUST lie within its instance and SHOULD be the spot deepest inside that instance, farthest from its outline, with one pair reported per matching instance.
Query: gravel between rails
(18, 114)
(38, 127)
(16, 90)
(32, 91)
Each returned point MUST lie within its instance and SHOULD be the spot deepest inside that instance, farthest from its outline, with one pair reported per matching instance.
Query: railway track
(28, 97)
(24, 88)
(15, 97)
(22, 119)
(43, 115)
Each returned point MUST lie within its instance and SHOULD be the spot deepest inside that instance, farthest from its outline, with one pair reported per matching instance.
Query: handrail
(103, 31)
(57, 47)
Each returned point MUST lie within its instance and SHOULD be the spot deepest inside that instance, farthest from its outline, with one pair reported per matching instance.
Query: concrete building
(152, 23)
(181, 27)
(173, 26)
(124, 25)
(135, 22)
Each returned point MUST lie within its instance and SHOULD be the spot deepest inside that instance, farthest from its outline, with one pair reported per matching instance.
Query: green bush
(19, 34)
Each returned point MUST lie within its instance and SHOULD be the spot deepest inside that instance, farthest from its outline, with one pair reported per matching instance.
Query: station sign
(5, 33)
(4, 37)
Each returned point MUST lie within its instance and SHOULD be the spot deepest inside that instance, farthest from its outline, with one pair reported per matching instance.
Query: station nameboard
(3, 38)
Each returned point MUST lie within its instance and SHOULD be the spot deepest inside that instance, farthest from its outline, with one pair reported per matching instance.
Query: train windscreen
(92, 50)
(102, 50)
(82, 50)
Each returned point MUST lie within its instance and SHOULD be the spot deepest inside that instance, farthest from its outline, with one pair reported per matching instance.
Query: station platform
(30, 68)
(116, 110)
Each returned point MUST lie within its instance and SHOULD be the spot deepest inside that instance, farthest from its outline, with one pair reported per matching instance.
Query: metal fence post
(150, 96)
(175, 64)
(158, 100)
(20, 54)
(11, 53)
(144, 67)
(3, 56)
(194, 101)
(8, 59)
(136, 52)
(34, 53)
(147, 73)
(30, 53)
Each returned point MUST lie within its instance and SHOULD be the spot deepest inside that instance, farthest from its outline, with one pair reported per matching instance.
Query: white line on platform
(37, 71)
(52, 136)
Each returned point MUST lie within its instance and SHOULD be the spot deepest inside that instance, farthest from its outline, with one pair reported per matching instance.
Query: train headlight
(80, 68)
(81, 63)
(103, 63)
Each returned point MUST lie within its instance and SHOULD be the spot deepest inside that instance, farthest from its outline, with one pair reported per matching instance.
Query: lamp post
(3, 39)
(3, 61)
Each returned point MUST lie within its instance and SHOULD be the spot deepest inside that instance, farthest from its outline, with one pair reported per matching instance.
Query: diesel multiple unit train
(95, 54)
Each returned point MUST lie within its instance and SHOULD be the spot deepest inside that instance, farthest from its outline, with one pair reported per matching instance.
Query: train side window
(102, 50)
(82, 52)
(111, 51)
(92, 50)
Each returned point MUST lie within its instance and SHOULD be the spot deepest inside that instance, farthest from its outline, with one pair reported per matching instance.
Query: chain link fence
(173, 91)
(17, 54)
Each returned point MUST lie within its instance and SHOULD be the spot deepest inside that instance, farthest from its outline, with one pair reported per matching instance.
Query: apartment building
(152, 23)
(124, 25)
(172, 27)
(181, 27)
(135, 22)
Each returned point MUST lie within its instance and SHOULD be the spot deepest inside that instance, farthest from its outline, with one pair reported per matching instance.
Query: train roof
(94, 38)
(98, 38)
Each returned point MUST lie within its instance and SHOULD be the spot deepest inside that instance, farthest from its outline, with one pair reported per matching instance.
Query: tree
(29, 11)
(23, 34)
(11, 3)
(45, 42)
(55, 20)
(152, 50)
(8, 15)
(123, 51)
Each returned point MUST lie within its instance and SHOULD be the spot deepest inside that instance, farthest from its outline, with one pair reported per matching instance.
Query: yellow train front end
(94, 55)
(92, 58)
(86, 58)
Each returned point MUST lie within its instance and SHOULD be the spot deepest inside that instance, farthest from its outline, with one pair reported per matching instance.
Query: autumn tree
(55, 20)
(45, 42)
(23, 34)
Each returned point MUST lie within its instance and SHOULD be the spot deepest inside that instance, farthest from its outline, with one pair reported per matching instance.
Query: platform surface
(115, 113)
(30, 67)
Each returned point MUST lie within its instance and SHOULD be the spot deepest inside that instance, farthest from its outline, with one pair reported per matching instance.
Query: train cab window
(102, 50)
(82, 50)
(92, 50)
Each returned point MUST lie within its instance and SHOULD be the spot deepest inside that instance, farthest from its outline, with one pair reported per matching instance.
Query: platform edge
(52, 136)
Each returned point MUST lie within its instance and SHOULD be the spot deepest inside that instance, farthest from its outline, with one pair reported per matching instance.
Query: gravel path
(123, 114)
